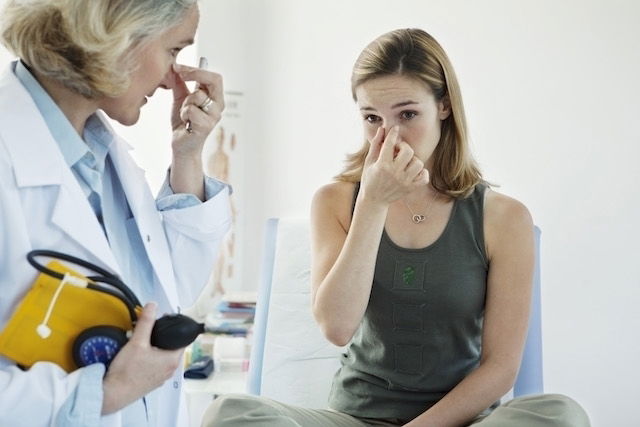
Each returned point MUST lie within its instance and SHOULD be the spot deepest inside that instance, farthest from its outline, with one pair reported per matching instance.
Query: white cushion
(299, 363)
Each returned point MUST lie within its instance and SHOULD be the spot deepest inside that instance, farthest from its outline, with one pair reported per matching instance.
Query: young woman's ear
(444, 108)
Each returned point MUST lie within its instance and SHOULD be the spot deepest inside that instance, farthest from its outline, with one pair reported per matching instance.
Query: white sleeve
(195, 234)
(34, 398)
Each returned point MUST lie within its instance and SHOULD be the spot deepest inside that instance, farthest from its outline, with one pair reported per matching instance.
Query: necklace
(418, 218)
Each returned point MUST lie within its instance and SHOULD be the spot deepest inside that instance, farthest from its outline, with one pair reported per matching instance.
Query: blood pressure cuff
(53, 313)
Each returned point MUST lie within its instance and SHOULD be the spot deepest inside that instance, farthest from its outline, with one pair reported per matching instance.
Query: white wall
(551, 94)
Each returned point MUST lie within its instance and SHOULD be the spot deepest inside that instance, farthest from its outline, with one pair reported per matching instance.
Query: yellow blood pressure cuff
(52, 315)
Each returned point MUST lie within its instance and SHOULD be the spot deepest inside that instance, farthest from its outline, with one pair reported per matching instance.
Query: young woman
(68, 183)
(418, 265)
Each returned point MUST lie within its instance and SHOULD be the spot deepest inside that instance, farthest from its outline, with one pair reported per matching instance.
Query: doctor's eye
(175, 51)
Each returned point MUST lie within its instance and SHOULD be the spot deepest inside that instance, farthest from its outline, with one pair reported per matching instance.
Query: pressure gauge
(98, 344)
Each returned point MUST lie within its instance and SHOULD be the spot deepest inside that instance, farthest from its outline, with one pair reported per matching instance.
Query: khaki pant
(529, 411)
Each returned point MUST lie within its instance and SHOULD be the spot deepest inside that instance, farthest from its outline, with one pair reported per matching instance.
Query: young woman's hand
(391, 171)
(138, 368)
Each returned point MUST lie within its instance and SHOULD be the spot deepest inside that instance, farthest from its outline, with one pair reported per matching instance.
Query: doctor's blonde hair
(416, 54)
(86, 45)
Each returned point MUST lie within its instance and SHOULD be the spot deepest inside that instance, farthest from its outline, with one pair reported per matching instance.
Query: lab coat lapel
(148, 219)
(83, 227)
(38, 162)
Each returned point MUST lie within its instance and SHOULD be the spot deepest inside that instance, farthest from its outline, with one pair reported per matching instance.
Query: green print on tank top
(408, 275)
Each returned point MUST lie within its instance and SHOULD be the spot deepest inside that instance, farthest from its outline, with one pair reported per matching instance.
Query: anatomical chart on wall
(222, 160)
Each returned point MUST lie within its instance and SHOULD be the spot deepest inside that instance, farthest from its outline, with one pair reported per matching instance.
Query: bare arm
(510, 247)
(344, 251)
(343, 263)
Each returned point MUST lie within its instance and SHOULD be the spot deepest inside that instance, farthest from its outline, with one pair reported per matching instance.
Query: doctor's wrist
(110, 397)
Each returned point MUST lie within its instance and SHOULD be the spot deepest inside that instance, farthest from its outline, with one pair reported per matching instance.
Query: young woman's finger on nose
(413, 168)
(375, 145)
(404, 155)
(389, 144)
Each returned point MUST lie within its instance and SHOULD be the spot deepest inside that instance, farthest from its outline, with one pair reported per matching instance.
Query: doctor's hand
(194, 116)
(391, 171)
(202, 108)
(138, 368)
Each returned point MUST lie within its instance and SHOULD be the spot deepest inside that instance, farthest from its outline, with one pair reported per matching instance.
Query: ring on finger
(206, 104)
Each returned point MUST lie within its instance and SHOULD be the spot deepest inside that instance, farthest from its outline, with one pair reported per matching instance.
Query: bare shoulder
(334, 200)
(505, 218)
(335, 191)
(502, 209)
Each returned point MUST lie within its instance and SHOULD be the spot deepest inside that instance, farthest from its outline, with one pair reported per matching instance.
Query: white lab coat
(42, 206)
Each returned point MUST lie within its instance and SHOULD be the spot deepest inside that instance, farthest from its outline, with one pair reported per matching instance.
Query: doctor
(68, 183)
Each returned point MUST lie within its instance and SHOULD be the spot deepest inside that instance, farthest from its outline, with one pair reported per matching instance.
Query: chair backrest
(291, 361)
(529, 380)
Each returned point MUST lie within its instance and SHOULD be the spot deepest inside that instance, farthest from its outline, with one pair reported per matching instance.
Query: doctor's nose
(168, 81)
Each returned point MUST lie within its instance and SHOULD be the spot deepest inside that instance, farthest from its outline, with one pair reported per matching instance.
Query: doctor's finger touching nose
(201, 109)
(194, 116)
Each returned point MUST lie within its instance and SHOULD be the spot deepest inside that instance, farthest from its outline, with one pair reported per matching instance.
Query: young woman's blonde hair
(86, 45)
(415, 54)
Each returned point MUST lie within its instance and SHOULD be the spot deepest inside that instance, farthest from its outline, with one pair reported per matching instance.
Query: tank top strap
(471, 214)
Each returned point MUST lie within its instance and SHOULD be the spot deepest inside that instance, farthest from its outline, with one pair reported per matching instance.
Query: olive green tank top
(421, 332)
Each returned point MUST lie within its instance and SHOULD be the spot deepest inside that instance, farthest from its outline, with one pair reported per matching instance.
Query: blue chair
(254, 381)
(290, 359)
(529, 380)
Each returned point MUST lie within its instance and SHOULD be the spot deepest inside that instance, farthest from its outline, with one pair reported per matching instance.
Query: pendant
(417, 219)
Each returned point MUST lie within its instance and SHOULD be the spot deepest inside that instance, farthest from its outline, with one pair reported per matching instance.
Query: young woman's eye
(370, 118)
(408, 115)
(175, 51)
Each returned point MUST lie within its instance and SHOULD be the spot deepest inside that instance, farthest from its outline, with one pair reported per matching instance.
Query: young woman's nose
(388, 124)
